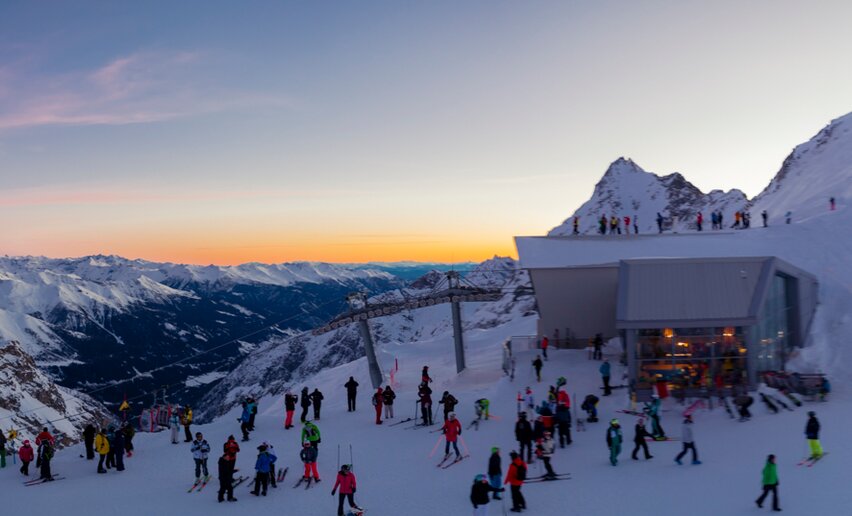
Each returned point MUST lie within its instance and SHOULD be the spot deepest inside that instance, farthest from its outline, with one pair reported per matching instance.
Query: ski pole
(436, 446)
(351, 460)
(338, 457)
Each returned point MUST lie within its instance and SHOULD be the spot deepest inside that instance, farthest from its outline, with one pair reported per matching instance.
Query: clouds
(138, 88)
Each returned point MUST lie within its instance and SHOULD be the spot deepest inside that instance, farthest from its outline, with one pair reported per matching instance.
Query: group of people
(42, 454)
(614, 224)
(110, 443)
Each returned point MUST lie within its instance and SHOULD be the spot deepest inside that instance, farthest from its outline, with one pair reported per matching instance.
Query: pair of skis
(402, 421)
(546, 478)
(38, 481)
(199, 484)
(446, 462)
(308, 481)
(810, 461)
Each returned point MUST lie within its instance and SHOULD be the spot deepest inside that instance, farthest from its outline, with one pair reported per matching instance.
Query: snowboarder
(495, 472)
(515, 477)
(186, 421)
(639, 440)
(479, 495)
(351, 391)
(378, 400)
(688, 441)
(316, 398)
(590, 405)
(387, 398)
(244, 421)
(743, 402)
(425, 395)
(653, 411)
(174, 425)
(544, 450)
(309, 458)
(598, 354)
(290, 401)
(605, 372)
(26, 455)
(102, 447)
(613, 441)
(346, 482)
(226, 478)
(311, 434)
(424, 375)
(452, 431)
(770, 484)
(305, 401)
(537, 365)
(45, 455)
(524, 435)
(262, 467)
(812, 434)
(89, 440)
(200, 451)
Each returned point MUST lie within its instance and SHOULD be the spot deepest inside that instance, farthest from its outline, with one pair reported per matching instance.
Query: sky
(225, 132)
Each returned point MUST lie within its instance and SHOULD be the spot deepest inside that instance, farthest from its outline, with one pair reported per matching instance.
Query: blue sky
(229, 131)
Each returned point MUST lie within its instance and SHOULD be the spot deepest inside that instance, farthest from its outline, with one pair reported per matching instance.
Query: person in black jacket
(226, 479)
(351, 391)
(495, 472)
(317, 398)
(89, 438)
(290, 401)
(524, 435)
(387, 398)
(306, 403)
(563, 424)
(449, 402)
(479, 495)
(425, 395)
(639, 440)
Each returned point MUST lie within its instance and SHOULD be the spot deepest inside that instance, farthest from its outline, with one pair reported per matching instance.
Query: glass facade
(772, 333)
(690, 358)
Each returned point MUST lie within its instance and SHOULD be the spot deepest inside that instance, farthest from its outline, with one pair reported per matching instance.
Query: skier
(479, 495)
(45, 455)
(605, 371)
(812, 434)
(515, 477)
(226, 478)
(89, 439)
(346, 481)
(743, 402)
(537, 365)
(305, 401)
(262, 467)
(102, 447)
(495, 472)
(200, 450)
(424, 375)
(524, 435)
(387, 399)
(290, 401)
(186, 420)
(44, 435)
(602, 225)
(613, 441)
(452, 431)
(765, 216)
(831, 203)
(117, 449)
(309, 458)
(351, 391)
(824, 388)
(230, 450)
(635, 224)
(545, 342)
(271, 450)
(688, 441)
(316, 398)
(770, 484)
(653, 411)
(174, 425)
(481, 407)
(449, 402)
(26, 455)
(311, 434)
(590, 405)
(244, 421)
(378, 399)
(544, 450)
(639, 440)
(598, 354)
(788, 217)
(563, 418)
(425, 395)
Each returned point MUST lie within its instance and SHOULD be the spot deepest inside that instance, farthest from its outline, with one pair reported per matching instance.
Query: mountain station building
(689, 323)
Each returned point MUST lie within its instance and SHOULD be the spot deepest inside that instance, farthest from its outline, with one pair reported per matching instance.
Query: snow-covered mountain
(30, 400)
(283, 362)
(626, 190)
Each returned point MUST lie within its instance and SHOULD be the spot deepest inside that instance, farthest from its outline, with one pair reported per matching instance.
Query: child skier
(200, 450)
(545, 450)
(311, 434)
(26, 455)
(309, 458)
(262, 467)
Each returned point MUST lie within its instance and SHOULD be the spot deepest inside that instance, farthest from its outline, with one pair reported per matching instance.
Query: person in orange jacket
(346, 481)
(378, 401)
(515, 477)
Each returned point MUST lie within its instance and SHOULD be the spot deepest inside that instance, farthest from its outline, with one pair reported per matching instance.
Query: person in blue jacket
(264, 463)
(605, 370)
(244, 419)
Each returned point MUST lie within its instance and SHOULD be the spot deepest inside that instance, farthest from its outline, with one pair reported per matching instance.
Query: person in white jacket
(200, 450)
(688, 441)
(174, 425)
(546, 449)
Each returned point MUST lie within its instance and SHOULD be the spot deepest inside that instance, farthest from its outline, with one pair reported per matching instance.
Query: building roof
(666, 292)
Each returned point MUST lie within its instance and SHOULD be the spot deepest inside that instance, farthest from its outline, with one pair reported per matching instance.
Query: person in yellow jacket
(186, 420)
(102, 447)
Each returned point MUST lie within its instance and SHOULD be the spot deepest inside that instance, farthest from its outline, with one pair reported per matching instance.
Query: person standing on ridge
(788, 217)
(812, 434)
(576, 225)
(659, 223)
(515, 476)
(613, 441)
(639, 440)
(200, 451)
(688, 441)
(537, 365)
(627, 224)
(316, 398)
(89, 440)
(598, 354)
(351, 391)
(495, 472)
(605, 372)
(449, 402)
(765, 216)
(305, 401)
(2, 449)
(387, 398)
(378, 400)
(346, 482)
(770, 484)
(290, 401)
(186, 420)
(699, 221)
(244, 421)
(425, 395)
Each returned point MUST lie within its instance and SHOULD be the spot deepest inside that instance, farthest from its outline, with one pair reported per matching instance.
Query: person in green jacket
(613, 441)
(770, 483)
(311, 434)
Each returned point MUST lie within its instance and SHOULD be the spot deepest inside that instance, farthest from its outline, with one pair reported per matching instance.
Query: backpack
(520, 472)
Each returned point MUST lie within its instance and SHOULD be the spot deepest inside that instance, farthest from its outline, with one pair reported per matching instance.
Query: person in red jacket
(452, 430)
(515, 477)
(544, 344)
(377, 403)
(26, 455)
(346, 482)
(45, 436)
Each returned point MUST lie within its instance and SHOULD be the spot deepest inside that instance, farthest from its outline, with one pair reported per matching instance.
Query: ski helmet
(451, 415)
(614, 422)
(345, 467)
(480, 478)
(495, 449)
